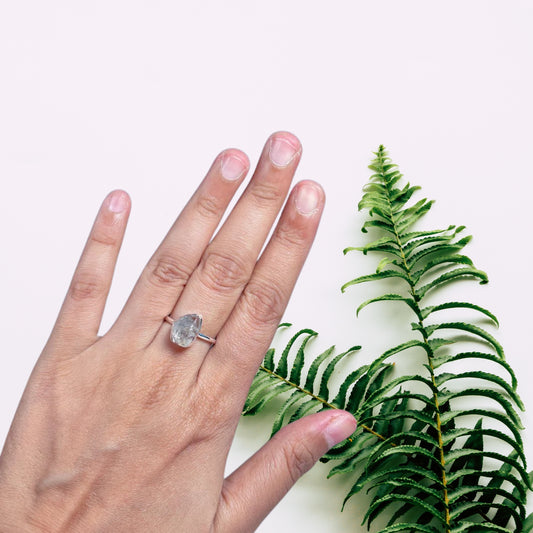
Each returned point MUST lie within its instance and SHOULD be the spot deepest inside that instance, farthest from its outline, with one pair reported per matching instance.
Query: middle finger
(228, 261)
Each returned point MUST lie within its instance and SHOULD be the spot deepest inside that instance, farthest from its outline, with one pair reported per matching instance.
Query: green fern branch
(412, 258)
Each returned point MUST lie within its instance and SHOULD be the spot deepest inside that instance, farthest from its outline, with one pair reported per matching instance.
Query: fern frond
(435, 470)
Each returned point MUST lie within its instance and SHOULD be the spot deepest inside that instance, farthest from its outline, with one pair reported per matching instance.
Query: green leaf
(390, 297)
(340, 400)
(380, 394)
(439, 361)
(373, 277)
(414, 245)
(454, 305)
(348, 449)
(386, 261)
(269, 359)
(282, 368)
(438, 249)
(324, 391)
(446, 396)
(406, 237)
(260, 384)
(452, 415)
(411, 499)
(293, 399)
(407, 217)
(299, 360)
(453, 434)
(304, 409)
(453, 455)
(481, 506)
(404, 195)
(398, 349)
(440, 261)
(269, 394)
(381, 244)
(313, 369)
(486, 376)
(470, 492)
(376, 223)
(450, 276)
(497, 477)
(470, 328)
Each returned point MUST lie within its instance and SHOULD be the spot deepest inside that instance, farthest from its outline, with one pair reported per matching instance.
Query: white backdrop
(142, 95)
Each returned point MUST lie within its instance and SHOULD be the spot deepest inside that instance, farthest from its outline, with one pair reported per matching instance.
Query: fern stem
(429, 351)
(317, 398)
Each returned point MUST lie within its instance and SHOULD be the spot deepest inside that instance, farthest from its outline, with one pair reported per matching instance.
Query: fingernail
(340, 427)
(282, 151)
(307, 199)
(232, 167)
(117, 201)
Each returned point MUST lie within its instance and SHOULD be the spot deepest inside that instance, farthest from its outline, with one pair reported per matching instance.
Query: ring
(186, 329)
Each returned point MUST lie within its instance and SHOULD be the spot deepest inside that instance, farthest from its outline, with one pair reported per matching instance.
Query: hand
(130, 432)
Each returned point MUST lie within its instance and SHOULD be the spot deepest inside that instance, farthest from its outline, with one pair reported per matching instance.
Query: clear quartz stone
(185, 330)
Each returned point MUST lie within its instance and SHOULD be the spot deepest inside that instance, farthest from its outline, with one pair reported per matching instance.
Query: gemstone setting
(185, 330)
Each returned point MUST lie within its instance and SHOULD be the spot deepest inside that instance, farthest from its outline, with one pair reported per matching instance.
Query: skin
(129, 432)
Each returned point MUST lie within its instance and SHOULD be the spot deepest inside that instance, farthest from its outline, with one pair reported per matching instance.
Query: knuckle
(86, 288)
(208, 206)
(299, 458)
(168, 271)
(264, 302)
(101, 236)
(266, 193)
(222, 272)
(290, 236)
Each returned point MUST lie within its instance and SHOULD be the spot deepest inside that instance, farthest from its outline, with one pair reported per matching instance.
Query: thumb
(254, 489)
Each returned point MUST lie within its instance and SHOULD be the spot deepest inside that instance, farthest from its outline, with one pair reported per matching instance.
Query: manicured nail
(117, 202)
(282, 151)
(232, 167)
(340, 427)
(307, 199)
